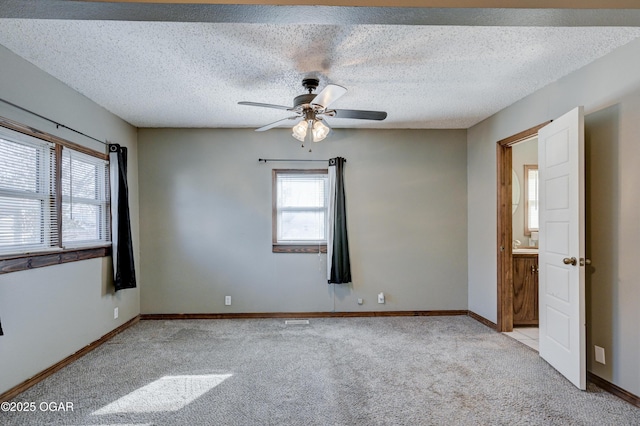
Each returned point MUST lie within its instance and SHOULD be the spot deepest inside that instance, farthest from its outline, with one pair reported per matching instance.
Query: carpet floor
(333, 371)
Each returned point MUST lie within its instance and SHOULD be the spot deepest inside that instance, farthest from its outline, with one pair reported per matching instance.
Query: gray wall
(609, 89)
(49, 313)
(206, 222)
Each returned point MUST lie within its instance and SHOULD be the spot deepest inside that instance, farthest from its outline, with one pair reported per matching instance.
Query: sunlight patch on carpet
(169, 393)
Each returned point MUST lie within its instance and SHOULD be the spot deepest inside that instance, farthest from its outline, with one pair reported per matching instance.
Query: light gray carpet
(343, 371)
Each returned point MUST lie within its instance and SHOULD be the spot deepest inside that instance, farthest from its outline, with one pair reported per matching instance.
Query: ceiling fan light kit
(311, 108)
(312, 130)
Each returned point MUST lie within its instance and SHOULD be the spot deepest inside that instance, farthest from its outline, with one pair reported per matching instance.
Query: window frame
(56, 254)
(290, 247)
(101, 201)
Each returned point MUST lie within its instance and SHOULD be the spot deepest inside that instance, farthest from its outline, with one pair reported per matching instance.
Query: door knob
(585, 261)
(570, 261)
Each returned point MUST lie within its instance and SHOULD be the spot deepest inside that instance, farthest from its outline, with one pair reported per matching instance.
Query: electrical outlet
(115, 313)
(600, 355)
(227, 300)
(360, 301)
(380, 297)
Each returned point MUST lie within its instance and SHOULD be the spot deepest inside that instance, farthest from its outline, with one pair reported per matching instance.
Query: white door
(561, 250)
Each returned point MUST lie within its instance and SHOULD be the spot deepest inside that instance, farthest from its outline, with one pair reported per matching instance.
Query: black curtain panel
(124, 275)
(1, 332)
(338, 244)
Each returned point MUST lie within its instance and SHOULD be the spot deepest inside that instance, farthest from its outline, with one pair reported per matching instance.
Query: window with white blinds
(41, 211)
(27, 194)
(300, 207)
(531, 197)
(85, 199)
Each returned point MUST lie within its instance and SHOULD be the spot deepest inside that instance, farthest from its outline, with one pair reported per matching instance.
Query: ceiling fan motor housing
(303, 100)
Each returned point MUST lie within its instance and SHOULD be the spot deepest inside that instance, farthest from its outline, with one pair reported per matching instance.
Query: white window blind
(301, 207)
(27, 194)
(85, 199)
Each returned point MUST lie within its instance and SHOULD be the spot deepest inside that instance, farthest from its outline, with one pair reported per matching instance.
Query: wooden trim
(259, 315)
(299, 248)
(38, 260)
(504, 238)
(483, 320)
(33, 132)
(524, 135)
(613, 389)
(16, 390)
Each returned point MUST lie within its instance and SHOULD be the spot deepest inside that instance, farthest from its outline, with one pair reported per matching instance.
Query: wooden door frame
(505, 232)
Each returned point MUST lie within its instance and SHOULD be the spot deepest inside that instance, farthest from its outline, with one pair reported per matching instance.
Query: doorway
(561, 253)
(505, 317)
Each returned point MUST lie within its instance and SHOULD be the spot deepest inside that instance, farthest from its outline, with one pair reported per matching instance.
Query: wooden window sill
(299, 248)
(25, 262)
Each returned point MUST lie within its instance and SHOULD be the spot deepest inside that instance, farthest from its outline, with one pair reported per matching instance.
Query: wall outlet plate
(227, 300)
(360, 301)
(600, 355)
(380, 297)
(115, 313)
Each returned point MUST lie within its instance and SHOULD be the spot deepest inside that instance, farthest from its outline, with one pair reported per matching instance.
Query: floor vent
(296, 322)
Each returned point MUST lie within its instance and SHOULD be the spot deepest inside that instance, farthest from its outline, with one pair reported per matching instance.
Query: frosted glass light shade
(300, 130)
(320, 131)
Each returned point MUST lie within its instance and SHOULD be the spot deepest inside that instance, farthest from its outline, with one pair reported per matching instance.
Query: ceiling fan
(313, 109)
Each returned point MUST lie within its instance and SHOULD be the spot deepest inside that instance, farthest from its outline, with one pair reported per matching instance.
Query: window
(27, 194)
(54, 197)
(300, 211)
(531, 199)
(85, 218)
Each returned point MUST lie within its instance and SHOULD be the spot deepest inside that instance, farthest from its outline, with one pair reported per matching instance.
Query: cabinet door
(525, 290)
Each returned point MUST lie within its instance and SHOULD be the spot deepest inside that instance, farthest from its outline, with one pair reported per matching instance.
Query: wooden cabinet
(525, 289)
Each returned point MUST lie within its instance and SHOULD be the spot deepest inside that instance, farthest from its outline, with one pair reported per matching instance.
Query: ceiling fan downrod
(310, 84)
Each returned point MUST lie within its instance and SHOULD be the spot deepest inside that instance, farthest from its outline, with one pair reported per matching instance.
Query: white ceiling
(192, 74)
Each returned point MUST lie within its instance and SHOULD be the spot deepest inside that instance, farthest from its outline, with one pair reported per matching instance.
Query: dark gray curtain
(339, 267)
(124, 275)
(1, 332)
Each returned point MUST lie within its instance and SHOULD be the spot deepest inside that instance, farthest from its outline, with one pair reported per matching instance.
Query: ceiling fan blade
(359, 114)
(328, 95)
(258, 104)
(275, 123)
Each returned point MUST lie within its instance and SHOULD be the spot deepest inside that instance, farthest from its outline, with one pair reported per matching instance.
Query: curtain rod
(264, 160)
(52, 121)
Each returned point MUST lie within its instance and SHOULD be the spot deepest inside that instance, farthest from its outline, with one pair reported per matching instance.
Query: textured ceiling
(178, 74)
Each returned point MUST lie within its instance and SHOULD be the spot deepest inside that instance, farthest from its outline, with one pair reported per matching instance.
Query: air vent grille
(297, 322)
